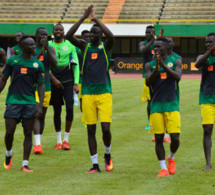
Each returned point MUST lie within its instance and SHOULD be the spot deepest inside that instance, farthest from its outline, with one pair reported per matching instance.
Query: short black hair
(58, 24)
(22, 39)
(40, 28)
(84, 31)
(211, 34)
(164, 40)
(150, 27)
(21, 33)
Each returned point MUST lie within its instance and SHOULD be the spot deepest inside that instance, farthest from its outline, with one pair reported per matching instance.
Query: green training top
(17, 49)
(45, 60)
(164, 90)
(25, 74)
(207, 87)
(63, 51)
(175, 56)
(96, 64)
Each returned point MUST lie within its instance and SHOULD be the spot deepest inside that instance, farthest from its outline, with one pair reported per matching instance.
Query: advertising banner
(135, 65)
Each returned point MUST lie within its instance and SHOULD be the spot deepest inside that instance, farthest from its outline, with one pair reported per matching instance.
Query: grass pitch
(133, 153)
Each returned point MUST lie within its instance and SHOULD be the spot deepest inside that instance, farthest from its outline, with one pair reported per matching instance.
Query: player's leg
(90, 117)
(10, 125)
(105, 112)
(28, 125)
(157, 123)
(57, 102)
(173, 125)
(68, 94)
(208, 118)
(207, 144)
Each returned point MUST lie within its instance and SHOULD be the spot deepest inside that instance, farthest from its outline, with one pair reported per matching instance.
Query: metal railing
(54, 21)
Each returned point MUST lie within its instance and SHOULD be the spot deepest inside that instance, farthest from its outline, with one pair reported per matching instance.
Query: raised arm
(201, 59)
(3, 58)
(145, 47)
(109, 42)
(80, 43)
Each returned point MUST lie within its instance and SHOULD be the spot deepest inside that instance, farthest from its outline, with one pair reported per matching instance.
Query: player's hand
(39, 111)
(92, 15)
(75, 88)
(45, 44)
(158, 61)
(58, 84)
(153, 34)
(87, 12)
(213, 48)
(161, 33)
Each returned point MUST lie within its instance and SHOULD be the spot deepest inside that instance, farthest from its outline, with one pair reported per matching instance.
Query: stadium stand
(76, 9)
(33, 9)
(194, 10)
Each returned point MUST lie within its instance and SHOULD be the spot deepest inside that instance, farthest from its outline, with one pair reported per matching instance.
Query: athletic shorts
(79, 94)
(94, 105)
(146, 93)
(58, 95)
(47, 97)
(20, 111)
(169, 121)
(208, 114)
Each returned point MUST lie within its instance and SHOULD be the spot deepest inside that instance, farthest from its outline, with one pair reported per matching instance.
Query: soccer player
(16, 50)
(3, 59)
(96, 85)
(170, 51)
(85, 34)
(65, 81)
(163, 75)
(207, 95)
(147, 51)
(46, 54)
(25, 71)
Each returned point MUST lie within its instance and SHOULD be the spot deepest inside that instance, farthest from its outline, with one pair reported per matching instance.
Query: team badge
(65, 48)
(100, 46)
(35, 65)
(170, 64)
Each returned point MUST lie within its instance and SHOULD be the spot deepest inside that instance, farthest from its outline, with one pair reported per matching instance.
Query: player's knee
(9, 134)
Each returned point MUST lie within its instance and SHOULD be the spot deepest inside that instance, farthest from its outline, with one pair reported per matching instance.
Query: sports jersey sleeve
(75, 68)
(8, 68)
(41, 74)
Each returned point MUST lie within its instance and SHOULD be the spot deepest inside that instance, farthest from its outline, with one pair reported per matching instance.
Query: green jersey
(63, 51)
(45, 60)
(17, 49)
(96, 64)
(207, 88)
(25, 74)
(175, 56)
(164, 90)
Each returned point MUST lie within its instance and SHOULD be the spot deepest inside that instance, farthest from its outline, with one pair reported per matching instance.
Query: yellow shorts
(170, 121)
(208, 114)
(47, 97)
(79, 94)
(146, 93)
(93, 105)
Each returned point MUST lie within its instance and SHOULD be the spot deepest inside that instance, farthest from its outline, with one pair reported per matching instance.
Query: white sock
(59, 139)
(24, 163)
(107, 149)
(171, 155)
(37, 139)
(9, 152)
(94, 159)
(166, 135)
(163, 164)
(66, 137)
